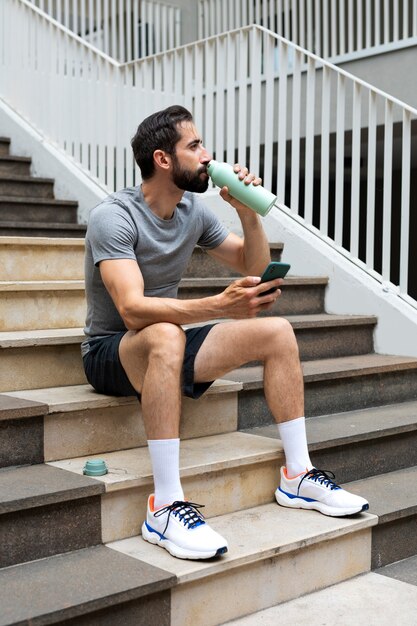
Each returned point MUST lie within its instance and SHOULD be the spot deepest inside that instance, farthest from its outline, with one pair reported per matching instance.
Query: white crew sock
(165, 457)
(294, 441)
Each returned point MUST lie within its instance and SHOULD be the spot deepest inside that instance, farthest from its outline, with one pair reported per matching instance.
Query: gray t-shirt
(124, 227)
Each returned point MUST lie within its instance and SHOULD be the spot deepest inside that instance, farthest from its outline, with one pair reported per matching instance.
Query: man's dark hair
(159, 131)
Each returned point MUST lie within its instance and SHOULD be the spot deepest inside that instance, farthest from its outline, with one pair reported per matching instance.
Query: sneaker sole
(299, 503)
(177, 551)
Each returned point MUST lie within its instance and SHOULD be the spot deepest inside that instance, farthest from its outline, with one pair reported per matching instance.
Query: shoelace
(324, 477)
(186, 511)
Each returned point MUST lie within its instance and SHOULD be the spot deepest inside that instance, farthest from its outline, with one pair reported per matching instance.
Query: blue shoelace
(186, 512)
(324, 477)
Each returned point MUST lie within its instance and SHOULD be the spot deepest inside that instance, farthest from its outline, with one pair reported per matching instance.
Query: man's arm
(124, 282)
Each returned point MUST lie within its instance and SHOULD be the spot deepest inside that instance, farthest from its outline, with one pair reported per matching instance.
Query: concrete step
(15, 209)
(79, 421)
(202, 265)
(358, 444)
(37, 356)
(30, 305)
(227, 473)
(40, 358)
(334, 386)
(275, 555)
(300, 295)
(4, 146)
(91, 587)
(405, 570)
(21, 431)
(41, 258)
(26, 186)
(15, 165)
(393, 497)
(355, 602)
(41, 229)
(44, 511)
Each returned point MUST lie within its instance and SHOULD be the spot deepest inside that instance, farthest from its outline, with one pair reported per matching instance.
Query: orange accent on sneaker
(292, 477)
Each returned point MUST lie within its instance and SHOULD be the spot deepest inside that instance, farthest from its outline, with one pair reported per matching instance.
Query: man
(138, 244)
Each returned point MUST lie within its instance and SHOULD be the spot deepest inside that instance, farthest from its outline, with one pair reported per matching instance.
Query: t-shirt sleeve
(214, 232)
(111, 233)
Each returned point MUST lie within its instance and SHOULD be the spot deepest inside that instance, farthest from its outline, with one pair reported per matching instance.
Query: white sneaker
(315, 489)
(181, 529)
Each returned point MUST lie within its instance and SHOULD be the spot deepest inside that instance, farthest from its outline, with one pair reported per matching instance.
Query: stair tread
(254, 534)
(15, 408)
(55, 242)
(50, 201)
(17, 159)
(41, 285)
(58, 335)
(354, 602)
(392, 495)
(323, 369)
(68, 585)
(48, 225)
(79, 397)
(339, 429)
(38, 485)
(24, 178)
(222, 282)
(215, 453)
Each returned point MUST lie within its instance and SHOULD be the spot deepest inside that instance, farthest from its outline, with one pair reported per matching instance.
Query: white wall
(351, 290)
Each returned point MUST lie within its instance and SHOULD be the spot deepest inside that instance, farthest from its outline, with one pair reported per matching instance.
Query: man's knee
(283, 336)
(166, 342)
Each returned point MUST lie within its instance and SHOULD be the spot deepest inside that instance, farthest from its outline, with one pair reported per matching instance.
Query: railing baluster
(231, 99)
(309, 141)
(355, 170)
(325, 151)
(340, 158)
(282, 119)
(269, 110)
(405, 201)
(255, 81)
(295, 133)
(371, 179)
(242, 111)
(209, 80)
(220, 88)
(387, 202)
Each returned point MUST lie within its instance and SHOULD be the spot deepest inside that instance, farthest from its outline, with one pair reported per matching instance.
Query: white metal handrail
(338, 152)
(123, 29)
(330, 28)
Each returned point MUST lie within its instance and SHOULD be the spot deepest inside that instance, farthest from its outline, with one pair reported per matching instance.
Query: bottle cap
(95, 467)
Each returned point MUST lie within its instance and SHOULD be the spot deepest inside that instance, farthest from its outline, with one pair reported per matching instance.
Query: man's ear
(162, 159)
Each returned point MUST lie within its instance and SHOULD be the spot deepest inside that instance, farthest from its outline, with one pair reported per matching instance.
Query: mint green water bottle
(255, 197)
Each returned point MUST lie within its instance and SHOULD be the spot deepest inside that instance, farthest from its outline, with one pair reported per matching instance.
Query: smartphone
(274, 270)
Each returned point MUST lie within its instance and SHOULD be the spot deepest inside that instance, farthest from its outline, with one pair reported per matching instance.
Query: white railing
(337, 152)
(329, 28)
(122, 29)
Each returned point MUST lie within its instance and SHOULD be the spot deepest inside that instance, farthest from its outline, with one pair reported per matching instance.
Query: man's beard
(189, 181)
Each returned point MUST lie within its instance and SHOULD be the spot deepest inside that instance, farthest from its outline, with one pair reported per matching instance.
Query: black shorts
(105, 373)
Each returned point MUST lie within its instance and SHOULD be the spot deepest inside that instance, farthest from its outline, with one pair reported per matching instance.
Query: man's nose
(205, 157)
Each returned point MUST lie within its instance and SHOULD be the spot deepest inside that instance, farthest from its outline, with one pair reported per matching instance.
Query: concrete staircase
(27, 203)
(71, 552)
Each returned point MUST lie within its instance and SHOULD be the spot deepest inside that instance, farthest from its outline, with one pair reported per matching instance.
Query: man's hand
(248, 178)
(243, 298)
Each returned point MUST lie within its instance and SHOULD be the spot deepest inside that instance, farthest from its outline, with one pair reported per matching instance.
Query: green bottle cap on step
(95, 467)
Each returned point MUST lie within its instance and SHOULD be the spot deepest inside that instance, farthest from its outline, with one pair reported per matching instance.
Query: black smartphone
(274, 270)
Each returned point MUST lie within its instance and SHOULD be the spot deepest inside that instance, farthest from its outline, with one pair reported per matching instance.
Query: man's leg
(272, 341)
(153, 360)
